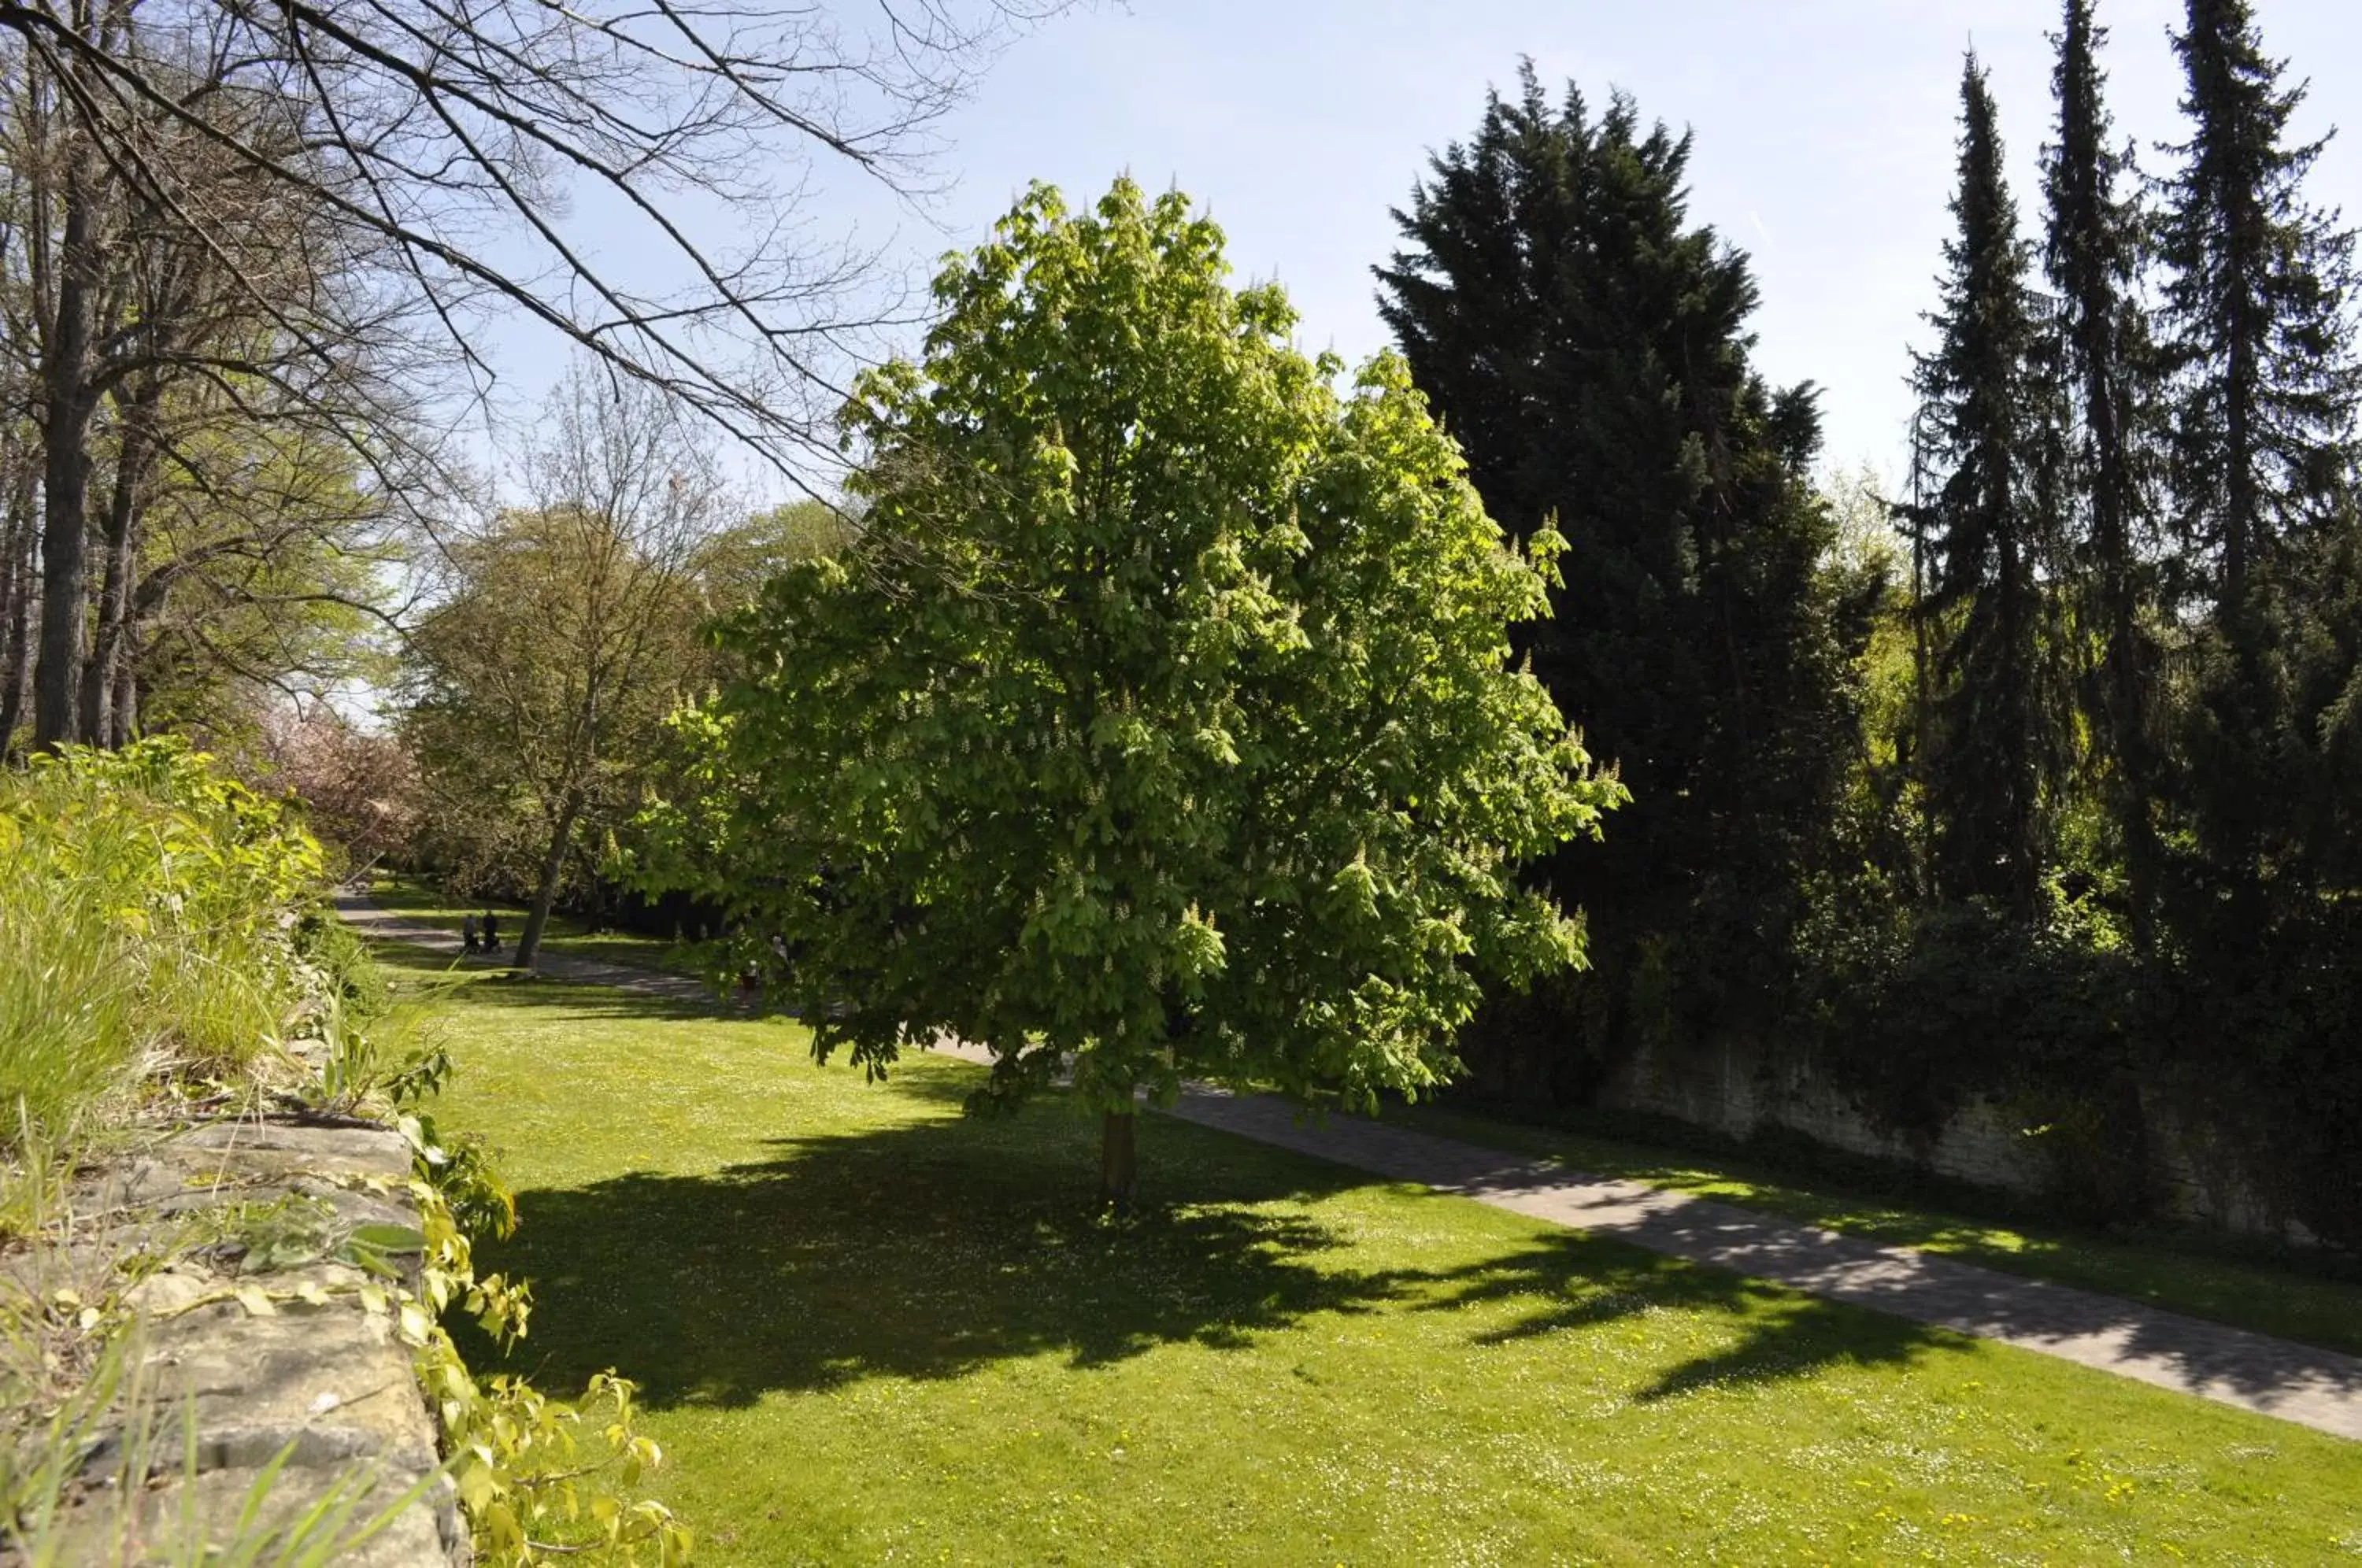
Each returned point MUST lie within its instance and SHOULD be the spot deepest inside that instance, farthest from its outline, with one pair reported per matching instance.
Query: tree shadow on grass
(922, 1250)
(929, 1250)
(1576, 1282)
(1904, 1287)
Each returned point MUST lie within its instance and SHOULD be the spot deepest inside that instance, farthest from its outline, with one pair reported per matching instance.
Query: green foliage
(542, 1480)
(1159, 719)
(282, 576)
(150, 922)
(2097, 349)
(564, 633)
(1996, 740)
(733, 565)
(2132, 914)
(538, 685)
(1900, 985)
(2258, 312)
(1588, 346)
(2258, 308)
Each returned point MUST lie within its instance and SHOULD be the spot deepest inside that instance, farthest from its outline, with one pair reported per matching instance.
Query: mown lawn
(870, 1330)
(2319, 1305)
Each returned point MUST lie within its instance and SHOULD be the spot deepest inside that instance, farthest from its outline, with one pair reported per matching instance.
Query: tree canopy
(565, 635)
(1589, 345)
(1159, 722)
(1995, 742)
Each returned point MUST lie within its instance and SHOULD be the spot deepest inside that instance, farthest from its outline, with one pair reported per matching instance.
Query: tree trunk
(66, 410)
(111, 647)
(544, 891)
(1118, 1161)
(17, 608)
(126, 708)
(57, 676)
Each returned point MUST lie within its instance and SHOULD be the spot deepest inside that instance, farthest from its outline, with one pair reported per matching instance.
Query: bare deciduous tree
(324, 201)
(487, 144)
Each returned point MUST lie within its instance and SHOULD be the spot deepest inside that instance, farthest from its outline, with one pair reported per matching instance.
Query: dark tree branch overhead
(502, 155)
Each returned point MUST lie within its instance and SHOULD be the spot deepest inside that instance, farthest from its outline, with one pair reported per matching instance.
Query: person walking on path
(492, 931)
(467, 931)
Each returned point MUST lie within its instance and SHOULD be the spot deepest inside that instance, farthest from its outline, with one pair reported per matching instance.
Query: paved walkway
(2317, 1388)
(364, 915)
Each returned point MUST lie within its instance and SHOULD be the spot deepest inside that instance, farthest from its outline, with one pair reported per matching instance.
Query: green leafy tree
(236, 595)
(2099, 346)
(1995, 742)
(540, 678)
(1159, 719)
(1588, 346)
(732, 566)
(1876, 825)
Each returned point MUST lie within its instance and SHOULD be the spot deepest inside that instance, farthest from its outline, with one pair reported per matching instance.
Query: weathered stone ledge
(317, 1375)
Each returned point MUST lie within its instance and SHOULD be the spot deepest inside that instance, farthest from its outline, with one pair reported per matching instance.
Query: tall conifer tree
(1994, 745)
(2256, 300)
(2100, 348)
(1588, 346)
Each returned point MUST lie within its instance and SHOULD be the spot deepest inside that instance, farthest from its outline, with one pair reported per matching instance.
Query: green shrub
(150, 925)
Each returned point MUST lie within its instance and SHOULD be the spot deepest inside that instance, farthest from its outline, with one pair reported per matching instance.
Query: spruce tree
(2255, 302)
(2099, 346)
(1588, 346)
(1993, 743)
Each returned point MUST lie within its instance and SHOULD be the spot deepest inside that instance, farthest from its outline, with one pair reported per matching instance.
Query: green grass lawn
(870, 1330)
(2319, 1304)
(416, 900)
(2193, 1274)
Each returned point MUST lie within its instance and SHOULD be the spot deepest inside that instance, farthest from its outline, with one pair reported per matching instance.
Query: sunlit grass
(2319, 1305)
(869, 1330)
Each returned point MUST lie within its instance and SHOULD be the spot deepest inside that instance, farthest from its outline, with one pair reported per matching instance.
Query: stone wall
(271, 1344)
(1738, 1087)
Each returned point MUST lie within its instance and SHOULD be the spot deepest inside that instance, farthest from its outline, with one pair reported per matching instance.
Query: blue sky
(1823, 139)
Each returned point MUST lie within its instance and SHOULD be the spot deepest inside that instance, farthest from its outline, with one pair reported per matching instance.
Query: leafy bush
(2242, 1033)
(1920, 1005)
(150, 925)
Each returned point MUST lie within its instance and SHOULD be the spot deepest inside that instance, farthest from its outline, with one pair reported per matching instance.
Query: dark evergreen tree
(2256, 295)
(1588, 346)
(2257, 299)
(1994, 745)
(2099, 348)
